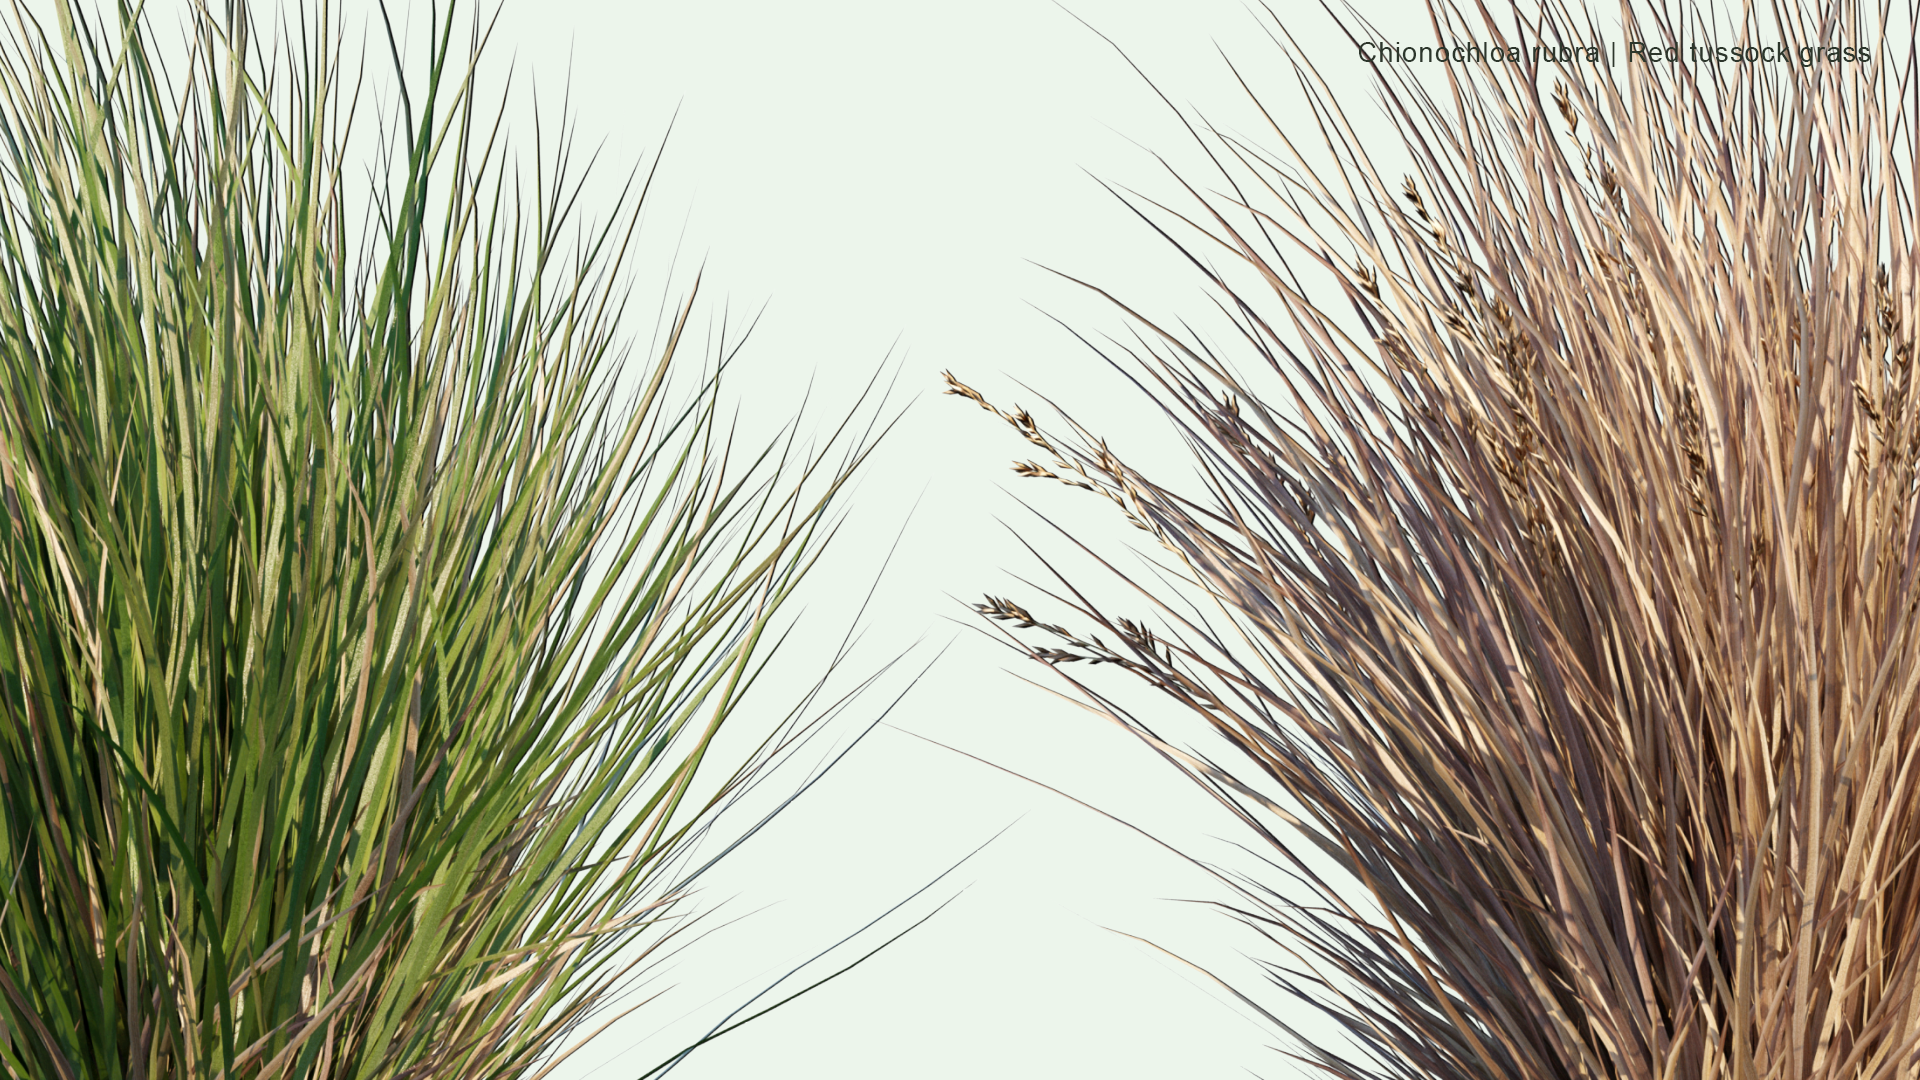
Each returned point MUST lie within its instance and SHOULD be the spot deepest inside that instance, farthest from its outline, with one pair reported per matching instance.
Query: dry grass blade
(1568, 577)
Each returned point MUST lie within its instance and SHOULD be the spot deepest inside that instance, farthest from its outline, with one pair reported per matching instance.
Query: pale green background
(882, 178)
(882, 172)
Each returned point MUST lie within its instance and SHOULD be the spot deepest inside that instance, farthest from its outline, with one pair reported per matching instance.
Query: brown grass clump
(1568, 585)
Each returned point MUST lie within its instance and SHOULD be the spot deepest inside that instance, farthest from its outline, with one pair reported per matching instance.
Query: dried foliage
(1567, 585)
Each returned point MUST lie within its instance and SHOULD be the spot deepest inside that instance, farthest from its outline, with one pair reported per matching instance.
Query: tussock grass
(360, 638)
(1572, 596)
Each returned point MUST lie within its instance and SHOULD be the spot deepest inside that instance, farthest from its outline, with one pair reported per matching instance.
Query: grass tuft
(361, 633)
(1560, 524)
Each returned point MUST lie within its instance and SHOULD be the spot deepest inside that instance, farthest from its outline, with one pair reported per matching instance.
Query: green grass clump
(1557, 536)
(360, 639)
